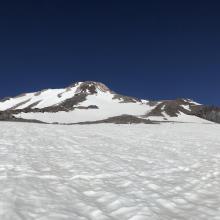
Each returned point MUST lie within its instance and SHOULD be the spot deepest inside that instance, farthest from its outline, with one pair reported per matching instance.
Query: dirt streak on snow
(101, 172)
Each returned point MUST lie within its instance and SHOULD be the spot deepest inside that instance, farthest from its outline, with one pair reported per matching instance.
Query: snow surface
(90, 172)
(83, 115)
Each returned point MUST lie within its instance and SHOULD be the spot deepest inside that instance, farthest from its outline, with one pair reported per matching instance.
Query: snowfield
(108, 172)
(85, 115)
(107, 107)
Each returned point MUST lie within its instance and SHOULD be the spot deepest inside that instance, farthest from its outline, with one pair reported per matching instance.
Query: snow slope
(45, 98)
(107, 107)
(90, 172)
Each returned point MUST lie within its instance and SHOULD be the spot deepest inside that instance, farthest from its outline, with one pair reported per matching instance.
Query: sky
(152, 49)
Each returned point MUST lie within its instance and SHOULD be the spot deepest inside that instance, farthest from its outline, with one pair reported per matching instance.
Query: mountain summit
(93, 101)
(90, 87)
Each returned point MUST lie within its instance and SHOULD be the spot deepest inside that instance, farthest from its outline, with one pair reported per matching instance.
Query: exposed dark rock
(210, 113)
(55, 108)
(172, 108)
(126, 99)
(75, 100)
(152, 103)
(33, 104)
(7, 116)
(91, 87)
(87, 107)
(87, 88)
(122, 119)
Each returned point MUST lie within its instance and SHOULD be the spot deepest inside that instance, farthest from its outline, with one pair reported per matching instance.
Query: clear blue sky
(148, 49)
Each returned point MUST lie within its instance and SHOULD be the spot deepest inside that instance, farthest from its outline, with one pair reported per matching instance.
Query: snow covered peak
(92, 101)
(69, 98)
(91, 87)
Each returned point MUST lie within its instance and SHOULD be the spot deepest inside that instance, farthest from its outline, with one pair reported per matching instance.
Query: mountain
(90, 101)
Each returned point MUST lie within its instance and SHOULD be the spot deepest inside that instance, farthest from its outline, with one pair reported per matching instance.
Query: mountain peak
(90, 87)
